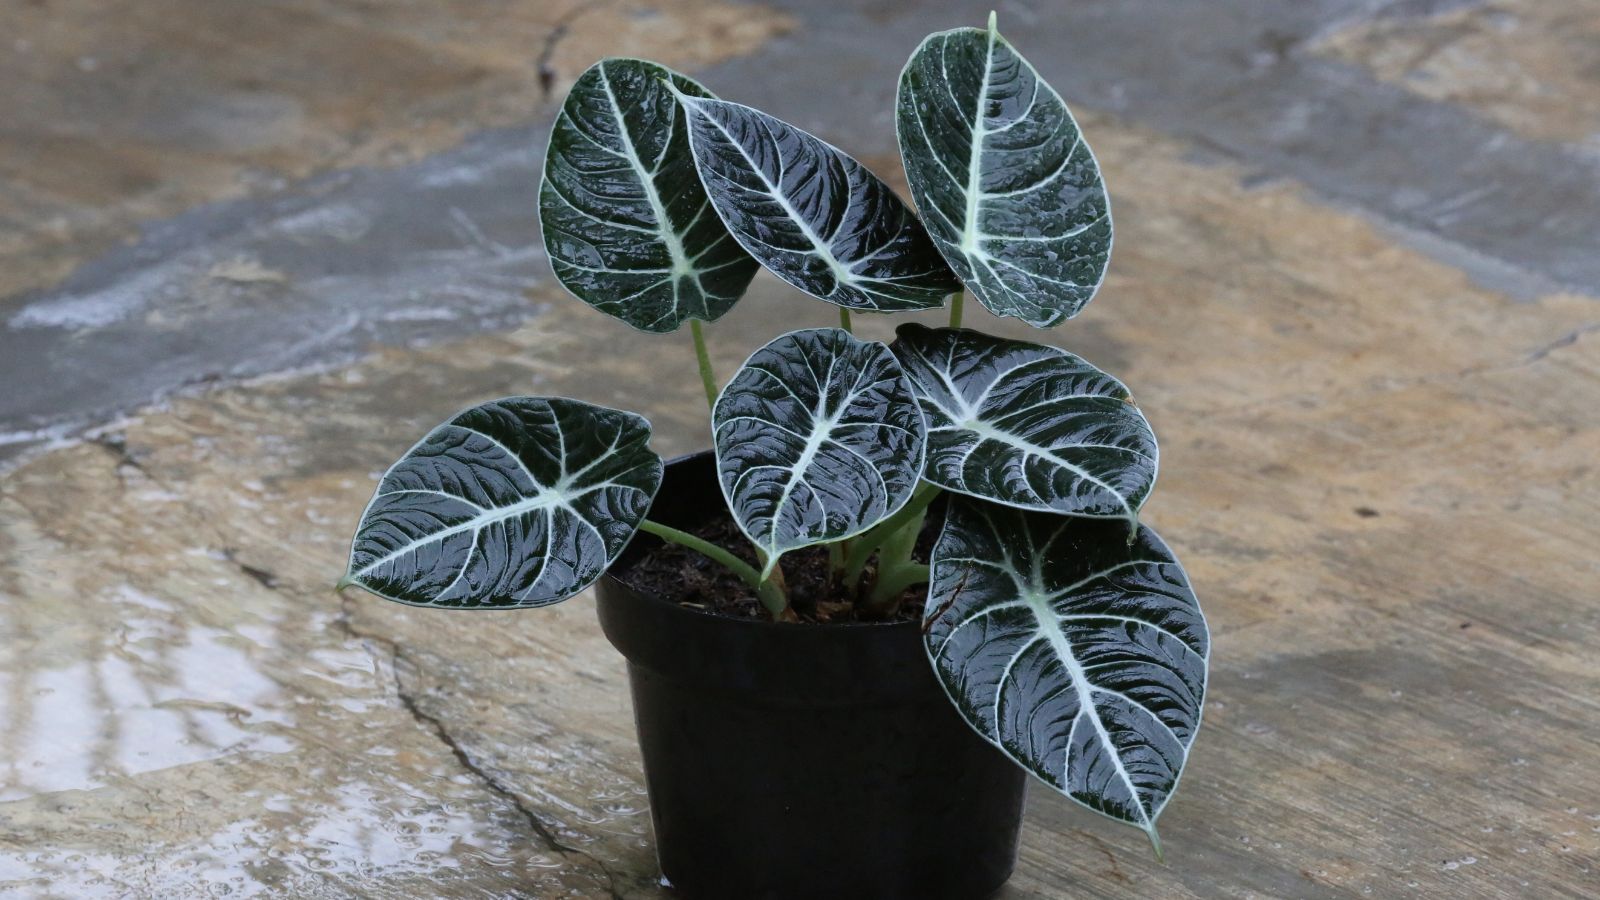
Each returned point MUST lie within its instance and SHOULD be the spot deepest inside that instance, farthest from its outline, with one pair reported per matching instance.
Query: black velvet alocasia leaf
(628, 227)
(1005, 183)
(818, 437)
(519, 502)
(1080, 655)
(1027, 425)
(814, 216)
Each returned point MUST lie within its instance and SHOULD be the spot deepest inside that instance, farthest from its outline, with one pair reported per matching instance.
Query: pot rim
(764, 624)
(834, 663)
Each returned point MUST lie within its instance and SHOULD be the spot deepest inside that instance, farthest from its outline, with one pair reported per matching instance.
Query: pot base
(876, 803)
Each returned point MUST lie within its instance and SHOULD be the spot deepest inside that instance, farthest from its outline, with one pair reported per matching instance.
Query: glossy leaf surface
(628, 227)
(1082, 656)
(1027, 425)
(818, 437)
(1004, 181)
(518, 502)
(814, 216)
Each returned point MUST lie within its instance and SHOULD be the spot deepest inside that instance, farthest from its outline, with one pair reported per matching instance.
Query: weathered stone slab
(352, 179)
(115, 118)
(1379, 476)
(1379, 472)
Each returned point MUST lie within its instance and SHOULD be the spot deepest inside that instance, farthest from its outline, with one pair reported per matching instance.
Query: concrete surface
(248, 251)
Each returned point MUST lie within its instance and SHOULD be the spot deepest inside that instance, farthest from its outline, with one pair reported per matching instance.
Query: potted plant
(953, 498)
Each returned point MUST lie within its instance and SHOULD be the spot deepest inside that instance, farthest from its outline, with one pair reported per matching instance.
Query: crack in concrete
(1365, 389)
(117, 446)
(408, 701)
(264, 577)
(1566, 340)
(434, 724)
(547, 72)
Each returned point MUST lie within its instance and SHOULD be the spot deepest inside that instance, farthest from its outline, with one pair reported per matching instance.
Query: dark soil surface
(681, 575)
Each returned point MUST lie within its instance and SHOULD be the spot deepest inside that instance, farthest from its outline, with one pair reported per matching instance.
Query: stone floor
(248, 252)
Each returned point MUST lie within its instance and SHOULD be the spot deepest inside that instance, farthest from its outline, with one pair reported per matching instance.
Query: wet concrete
(119, 119)
(183, 214)
(1378, 431)
(243, 288)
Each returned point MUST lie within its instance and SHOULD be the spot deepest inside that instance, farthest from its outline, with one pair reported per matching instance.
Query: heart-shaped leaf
(628, 227)
(1080, 655)
(1027, 425)
(814, 216)
(519, 502)
(818, 438)
(1005, 183)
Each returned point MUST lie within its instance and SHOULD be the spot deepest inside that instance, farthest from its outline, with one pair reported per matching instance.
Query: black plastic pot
(803, 761)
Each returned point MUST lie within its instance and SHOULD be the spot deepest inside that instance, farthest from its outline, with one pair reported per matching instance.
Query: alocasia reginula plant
(1063, 630)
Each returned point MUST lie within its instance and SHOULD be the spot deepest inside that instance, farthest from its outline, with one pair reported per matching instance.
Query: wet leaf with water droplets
(814, 216)
(515, 503)
(628, 227)
(1081, 656)
(818, 437)
(1005, 183)
(1027, 425)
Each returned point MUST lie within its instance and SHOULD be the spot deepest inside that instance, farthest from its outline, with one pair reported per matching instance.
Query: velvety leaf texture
(1004, 181)
(520, 502)
(1083, 657)
(627, 225)
(1027, 425)
(814, 216)
(818, 437)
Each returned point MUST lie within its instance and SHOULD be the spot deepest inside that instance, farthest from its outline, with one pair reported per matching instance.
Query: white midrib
(820, 247)
(969, 233)
(680, 260)
(546, 500)
(819, 434)
(1044, 616)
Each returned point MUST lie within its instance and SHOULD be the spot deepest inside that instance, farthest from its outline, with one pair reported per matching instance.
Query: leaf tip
(1155, 843)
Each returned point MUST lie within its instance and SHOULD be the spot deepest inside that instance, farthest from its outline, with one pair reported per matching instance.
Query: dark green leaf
(818, 437)
(1080, 655)
(814, 216)
(1027, 425)
(626, 223)
(519, 502)
(1005, 183)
